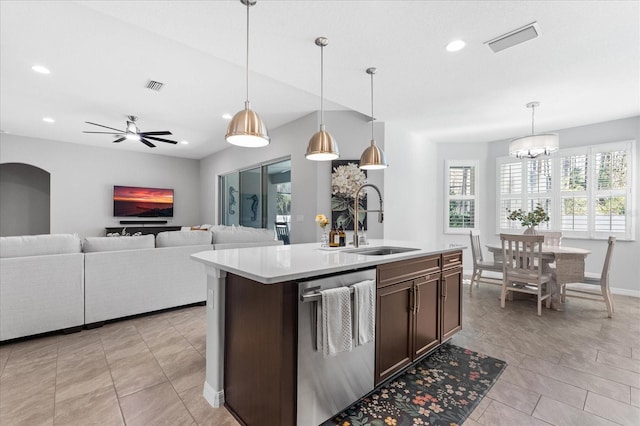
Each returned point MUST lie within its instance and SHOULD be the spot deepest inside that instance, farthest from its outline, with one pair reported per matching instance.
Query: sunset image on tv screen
(142, 202)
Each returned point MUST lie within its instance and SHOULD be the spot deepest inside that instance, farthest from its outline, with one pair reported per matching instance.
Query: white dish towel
(364, 306)
(334, 321)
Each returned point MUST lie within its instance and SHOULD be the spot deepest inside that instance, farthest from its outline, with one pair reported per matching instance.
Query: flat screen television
(134, 201)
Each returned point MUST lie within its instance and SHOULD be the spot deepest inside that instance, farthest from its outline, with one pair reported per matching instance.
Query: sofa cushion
(182, 238)
(93, 244)
(242, 234)
(38, 245)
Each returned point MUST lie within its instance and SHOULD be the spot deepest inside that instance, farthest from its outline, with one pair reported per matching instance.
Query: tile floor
(574, 367)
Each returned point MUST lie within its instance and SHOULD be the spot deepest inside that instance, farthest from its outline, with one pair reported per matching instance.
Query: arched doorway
(25, 200)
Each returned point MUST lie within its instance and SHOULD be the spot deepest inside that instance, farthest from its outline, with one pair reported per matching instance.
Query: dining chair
(522, 255)
(282, 231)
(552, 238)
(480, 265)
(566, 270)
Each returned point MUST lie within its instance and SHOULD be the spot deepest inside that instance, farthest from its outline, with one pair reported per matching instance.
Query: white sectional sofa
(131, 275)
(41, 284)
(53, 282)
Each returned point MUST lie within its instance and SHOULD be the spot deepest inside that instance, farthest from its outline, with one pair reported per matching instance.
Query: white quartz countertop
(274, 264)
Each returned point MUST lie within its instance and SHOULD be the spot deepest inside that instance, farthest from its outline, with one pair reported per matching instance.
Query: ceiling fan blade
(160, 133)
(106, 133)
(119, 140)
(106, 127)
(147, 143)
(160, 139)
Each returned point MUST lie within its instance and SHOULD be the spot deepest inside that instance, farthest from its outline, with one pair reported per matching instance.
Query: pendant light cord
(533, 113)
(372, 107)
(247, 71)
(321, 85)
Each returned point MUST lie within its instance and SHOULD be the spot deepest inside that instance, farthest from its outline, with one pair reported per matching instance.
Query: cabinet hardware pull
(411, 301)
(444, 289)
(417, 299)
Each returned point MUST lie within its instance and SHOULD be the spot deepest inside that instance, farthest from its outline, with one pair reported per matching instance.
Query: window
(586, 190)
(461, 199)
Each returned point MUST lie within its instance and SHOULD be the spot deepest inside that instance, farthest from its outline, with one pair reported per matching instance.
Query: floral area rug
(442, 389)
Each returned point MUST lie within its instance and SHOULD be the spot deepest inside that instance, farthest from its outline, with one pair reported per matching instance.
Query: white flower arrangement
(346, 179)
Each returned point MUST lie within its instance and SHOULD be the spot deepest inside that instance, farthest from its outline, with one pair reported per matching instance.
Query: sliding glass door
(257, 197)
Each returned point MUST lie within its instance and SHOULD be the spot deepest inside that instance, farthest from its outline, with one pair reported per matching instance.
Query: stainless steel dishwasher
(328, 385)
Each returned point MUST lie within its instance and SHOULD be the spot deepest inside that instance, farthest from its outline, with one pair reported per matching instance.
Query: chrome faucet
(356, 243)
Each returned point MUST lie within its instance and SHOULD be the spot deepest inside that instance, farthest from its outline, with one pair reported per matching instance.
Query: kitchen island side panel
(260, 351)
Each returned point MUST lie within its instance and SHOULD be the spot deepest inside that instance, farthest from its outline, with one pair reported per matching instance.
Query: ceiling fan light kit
(246, 127)
(373, 158)
(534, 145)
(322, 146)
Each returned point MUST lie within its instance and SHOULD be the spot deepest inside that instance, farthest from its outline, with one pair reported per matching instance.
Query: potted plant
(529, 219)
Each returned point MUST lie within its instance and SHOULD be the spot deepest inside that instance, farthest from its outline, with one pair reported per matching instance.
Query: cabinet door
(394, 328)
(426, 314)
(451, 302)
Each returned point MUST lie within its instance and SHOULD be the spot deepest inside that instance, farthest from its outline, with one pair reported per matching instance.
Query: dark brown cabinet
(418, 307)
(451, 295)
(394, 327)
(427, 316)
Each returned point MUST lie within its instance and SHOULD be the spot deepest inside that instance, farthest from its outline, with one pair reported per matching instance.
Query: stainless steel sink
(380, 250)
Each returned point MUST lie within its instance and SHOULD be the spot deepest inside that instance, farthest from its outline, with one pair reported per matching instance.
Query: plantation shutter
(461, 196)
(510, 192)
(610, 195)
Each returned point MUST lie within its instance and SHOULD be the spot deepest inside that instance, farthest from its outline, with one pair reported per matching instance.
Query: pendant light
(373, 158)
(322, 146)
(534, 145)
(246, 127)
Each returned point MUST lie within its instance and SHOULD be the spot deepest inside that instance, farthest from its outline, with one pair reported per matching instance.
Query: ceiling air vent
(512, 38)
(154, 85)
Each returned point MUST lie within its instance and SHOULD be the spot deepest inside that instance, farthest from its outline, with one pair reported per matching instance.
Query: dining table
(566, 265)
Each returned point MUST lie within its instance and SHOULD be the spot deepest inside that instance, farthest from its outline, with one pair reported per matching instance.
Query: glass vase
(324, 238)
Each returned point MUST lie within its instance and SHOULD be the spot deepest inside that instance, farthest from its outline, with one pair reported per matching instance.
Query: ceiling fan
(133, 133)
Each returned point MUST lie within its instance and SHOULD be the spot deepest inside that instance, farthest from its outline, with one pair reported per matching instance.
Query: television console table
(144, 229)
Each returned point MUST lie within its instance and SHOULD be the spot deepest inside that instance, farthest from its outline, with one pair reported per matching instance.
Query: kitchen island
(254, 310)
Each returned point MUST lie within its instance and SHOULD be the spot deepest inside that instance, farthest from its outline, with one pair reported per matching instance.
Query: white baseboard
(214, 398)
(614, 290)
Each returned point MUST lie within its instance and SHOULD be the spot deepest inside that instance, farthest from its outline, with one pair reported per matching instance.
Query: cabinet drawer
(391, 273)
(451, 260)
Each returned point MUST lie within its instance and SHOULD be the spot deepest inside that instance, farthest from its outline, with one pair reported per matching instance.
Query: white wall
(310, 180)
(411, 204)
(82, 180)
(474, 152)
(625, 271)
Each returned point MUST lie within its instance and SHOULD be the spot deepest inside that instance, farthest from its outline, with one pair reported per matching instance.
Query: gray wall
(24, 200)
(625, 267)
(82, 180)
(310, 180)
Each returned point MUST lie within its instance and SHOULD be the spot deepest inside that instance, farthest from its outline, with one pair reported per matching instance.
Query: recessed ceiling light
(48, 120)
(456, 45)
(41, 69)
(227, 116)
(184, 142)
